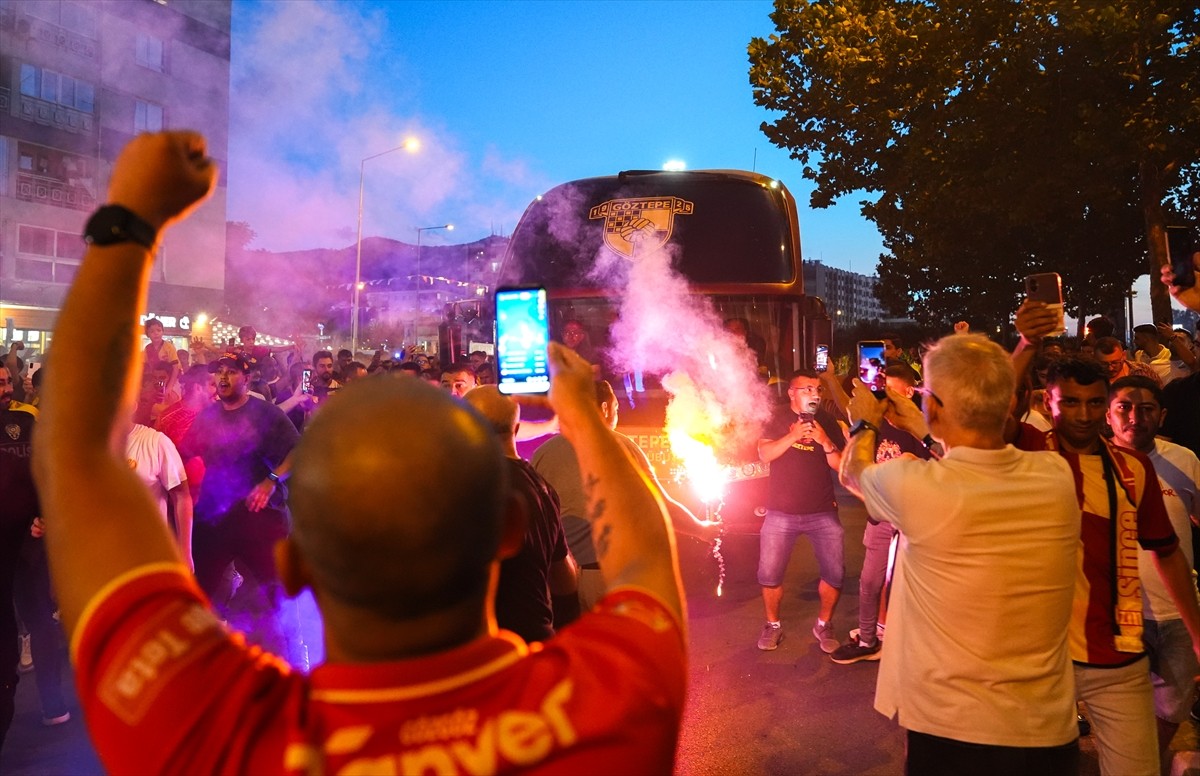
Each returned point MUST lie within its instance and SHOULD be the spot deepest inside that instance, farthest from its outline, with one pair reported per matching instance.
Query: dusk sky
(507, 99)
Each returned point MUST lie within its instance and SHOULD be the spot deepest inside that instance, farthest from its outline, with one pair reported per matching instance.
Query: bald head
(399, 518)
(500, 411)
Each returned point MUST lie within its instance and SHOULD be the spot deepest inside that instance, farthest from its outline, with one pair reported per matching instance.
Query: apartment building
(849, 297)
(78, 79)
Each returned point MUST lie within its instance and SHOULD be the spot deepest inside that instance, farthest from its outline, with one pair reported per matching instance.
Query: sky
(507, 100)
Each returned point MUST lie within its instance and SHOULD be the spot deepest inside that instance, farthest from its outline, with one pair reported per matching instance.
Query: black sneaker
(855, 651)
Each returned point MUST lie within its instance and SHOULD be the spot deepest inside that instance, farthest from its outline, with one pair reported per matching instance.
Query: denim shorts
(778, 537)
(1172, 668)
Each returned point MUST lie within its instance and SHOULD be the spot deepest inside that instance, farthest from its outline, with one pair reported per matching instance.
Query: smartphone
(306, 381)
(822, 358)
(1181, 247)
(522, 339)
(1047, 287)
(871, 365)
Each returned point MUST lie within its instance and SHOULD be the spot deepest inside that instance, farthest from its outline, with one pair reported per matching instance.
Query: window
(147, 117)
(149, 52)
(62, 251)
(57, 88)
(31, 239)
(80, 19)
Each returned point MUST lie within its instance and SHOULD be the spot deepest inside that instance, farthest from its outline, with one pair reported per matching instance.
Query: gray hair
(974, 379)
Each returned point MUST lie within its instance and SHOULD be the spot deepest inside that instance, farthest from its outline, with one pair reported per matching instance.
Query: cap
(238, 361)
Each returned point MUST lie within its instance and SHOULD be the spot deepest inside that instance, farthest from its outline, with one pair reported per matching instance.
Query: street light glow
(412, 144)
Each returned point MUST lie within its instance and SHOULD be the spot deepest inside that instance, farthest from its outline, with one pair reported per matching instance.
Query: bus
(731, 241)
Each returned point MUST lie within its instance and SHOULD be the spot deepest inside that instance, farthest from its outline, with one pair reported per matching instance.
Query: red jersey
(166, 689)
(1098, 635)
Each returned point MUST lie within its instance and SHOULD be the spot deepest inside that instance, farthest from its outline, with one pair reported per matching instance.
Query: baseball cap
(239, 361)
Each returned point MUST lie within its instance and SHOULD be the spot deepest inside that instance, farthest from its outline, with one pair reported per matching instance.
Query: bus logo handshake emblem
(633, 227)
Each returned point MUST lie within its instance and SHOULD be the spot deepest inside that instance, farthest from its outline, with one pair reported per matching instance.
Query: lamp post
(411, 145)
(420, 230)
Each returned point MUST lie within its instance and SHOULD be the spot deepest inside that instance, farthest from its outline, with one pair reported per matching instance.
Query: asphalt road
(791, 711)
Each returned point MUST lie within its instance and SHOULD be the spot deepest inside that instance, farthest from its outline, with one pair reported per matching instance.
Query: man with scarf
(1122, 510)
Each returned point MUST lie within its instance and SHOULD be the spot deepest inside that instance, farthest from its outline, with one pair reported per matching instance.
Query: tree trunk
(1156, 238)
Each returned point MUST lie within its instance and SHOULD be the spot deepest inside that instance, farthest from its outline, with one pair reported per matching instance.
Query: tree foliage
(998, 139)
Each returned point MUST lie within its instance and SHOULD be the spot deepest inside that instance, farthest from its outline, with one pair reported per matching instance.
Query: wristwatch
(863, 425)
(113, 224)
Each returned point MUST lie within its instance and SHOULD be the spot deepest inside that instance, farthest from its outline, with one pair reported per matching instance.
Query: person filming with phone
(418, 678)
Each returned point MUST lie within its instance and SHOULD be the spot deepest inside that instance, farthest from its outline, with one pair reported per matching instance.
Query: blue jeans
(778, 537)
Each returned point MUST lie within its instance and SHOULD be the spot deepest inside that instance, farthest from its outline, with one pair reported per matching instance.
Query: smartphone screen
(1181, 246)
(306, 381)
(871, 364)
(1047, 287)
(522, 336)
(822, 358)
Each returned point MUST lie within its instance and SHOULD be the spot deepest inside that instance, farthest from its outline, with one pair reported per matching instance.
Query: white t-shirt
(976, 648)
(153, 456)
(1178, 471)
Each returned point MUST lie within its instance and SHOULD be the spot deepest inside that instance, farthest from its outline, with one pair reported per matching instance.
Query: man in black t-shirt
(804, 445)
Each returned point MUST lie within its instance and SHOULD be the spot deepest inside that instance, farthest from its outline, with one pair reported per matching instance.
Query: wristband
(929, 441)
(273, 477)
(113, 224)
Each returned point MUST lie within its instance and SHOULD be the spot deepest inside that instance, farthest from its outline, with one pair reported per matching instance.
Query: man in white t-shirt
(153, 456)
(975, 666)
(1135, 413)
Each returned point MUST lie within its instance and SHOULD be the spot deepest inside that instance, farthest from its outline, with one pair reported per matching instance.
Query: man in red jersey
(418, 677)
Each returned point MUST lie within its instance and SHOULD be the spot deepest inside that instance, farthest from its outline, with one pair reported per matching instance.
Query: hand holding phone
(306, 382)
(522, 340)
(871, 364)
(1047, 288)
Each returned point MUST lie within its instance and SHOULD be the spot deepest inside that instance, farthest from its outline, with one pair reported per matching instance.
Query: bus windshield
(724, 228)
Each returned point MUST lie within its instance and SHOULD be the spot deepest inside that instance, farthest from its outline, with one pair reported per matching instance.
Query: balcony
(48, 191)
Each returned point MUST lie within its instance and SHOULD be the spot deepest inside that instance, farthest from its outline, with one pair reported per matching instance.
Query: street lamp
(411, 145)
(420, 230)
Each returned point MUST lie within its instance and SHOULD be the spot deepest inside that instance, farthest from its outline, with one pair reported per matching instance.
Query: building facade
(78, 80)
(849, 297)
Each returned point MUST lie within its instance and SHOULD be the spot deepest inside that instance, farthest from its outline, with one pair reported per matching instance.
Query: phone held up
(306, 381)
(871, 364)
(522, 340)
(1047, 287)
(822, 363)
(1181, 247)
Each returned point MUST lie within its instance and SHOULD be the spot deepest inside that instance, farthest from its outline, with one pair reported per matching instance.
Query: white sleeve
(170, 470)
(882, 486)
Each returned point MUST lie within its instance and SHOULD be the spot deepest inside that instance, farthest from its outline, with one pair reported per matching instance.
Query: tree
(999, 138)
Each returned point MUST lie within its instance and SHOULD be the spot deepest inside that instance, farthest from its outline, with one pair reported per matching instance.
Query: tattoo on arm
(602, 542)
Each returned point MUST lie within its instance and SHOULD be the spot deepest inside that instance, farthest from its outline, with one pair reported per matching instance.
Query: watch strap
(863, 425)
(114, 224)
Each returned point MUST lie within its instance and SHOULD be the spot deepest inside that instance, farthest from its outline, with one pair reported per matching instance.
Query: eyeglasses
(932, 395)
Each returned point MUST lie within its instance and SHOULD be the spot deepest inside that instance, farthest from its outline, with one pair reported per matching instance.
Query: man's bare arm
(634, 544)
(860, 452)
(100, 520)
(181, 508)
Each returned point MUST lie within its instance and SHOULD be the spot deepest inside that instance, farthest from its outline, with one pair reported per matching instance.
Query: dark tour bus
(733, 236)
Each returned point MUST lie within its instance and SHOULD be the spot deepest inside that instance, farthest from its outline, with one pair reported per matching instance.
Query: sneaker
(854, 651)
(60, 719)
(771, 636)
(26, 664)
(824, 635)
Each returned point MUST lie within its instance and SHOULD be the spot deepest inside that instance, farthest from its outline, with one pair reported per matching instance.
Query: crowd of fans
(1033, 525)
